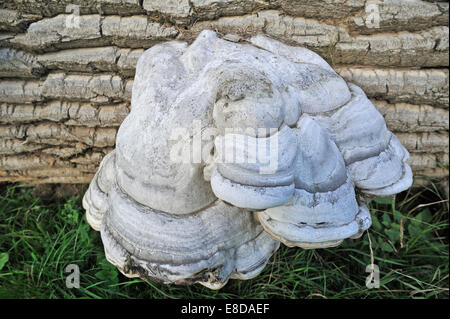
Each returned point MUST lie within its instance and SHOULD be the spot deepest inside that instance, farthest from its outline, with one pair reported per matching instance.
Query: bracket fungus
(231, 148)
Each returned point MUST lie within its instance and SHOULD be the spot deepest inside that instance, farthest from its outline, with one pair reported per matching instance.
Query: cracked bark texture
(65, 90)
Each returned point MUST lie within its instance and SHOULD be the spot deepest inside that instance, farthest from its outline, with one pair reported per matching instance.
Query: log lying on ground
(64, 93)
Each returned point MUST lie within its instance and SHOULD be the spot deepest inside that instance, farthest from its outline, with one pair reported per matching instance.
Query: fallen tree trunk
(65, 89)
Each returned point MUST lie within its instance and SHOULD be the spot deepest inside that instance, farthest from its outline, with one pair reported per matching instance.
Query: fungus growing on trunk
(231, 148)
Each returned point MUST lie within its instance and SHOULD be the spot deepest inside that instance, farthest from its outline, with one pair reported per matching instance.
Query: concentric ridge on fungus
(205, 221)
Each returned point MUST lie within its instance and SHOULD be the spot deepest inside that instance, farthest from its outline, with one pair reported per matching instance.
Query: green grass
(409, 240)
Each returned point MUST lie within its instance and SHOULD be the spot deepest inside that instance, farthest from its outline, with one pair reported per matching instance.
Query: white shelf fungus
(231, 148)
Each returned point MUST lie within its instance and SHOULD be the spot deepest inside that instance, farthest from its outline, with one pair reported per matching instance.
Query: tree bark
(65, 82)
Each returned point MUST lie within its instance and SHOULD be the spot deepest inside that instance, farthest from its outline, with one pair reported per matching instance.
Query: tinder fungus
(231, 148)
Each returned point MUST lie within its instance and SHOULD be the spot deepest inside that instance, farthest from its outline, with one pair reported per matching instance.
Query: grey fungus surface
(286, 147)
(209, 246)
